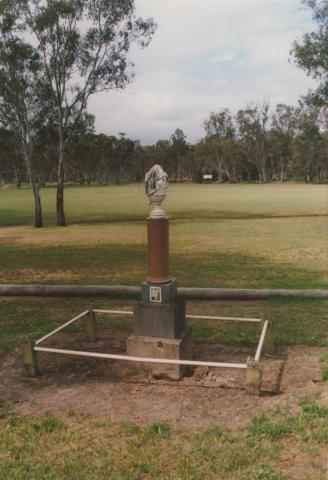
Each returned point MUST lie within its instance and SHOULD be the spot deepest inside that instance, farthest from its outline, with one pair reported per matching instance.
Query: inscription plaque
(155, 294)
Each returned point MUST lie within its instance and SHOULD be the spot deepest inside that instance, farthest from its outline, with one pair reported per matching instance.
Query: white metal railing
(170, 361)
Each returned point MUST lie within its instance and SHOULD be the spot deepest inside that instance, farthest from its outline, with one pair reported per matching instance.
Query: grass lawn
(253, 236)
(78, 448)
(242, 236)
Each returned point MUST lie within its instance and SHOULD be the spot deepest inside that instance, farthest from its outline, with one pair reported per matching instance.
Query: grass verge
(77, 447)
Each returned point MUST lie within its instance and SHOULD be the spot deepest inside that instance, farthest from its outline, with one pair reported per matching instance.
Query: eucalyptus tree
(11, 161)
(253, 126)
(310, 145)
(21, 93)
(221, 140)
(163, 155)
(284, 124)
(311, 53)
(80, 151)
(83, 46)
(179, 149)
(104, 150)
(220, 124)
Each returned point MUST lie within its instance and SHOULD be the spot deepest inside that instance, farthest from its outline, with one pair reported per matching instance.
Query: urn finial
(156, 184)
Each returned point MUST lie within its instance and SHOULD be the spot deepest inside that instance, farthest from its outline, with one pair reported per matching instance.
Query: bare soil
(125, 393)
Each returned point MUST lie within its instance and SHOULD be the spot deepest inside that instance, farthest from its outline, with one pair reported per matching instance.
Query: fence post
(90, 326)
(30, 360)
(253, 376)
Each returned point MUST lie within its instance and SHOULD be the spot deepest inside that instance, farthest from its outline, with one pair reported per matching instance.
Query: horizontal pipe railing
(196, 317)
(59, 329)
(165, 361)
(69, 291)
(115, 291)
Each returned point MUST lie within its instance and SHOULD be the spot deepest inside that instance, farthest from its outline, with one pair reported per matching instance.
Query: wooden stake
(90, 326)
(253, 376)
(30, 360)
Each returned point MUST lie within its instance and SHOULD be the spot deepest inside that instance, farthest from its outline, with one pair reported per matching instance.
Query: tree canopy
(311, 53)
(82, 48)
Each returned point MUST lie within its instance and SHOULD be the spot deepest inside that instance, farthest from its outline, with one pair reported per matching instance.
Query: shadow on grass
(199, 215)
(15, 218)
(235, 215)
(295, 321)
(113, 263)
(12, 217)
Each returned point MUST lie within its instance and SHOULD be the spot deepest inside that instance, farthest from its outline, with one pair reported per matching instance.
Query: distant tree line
(254, 145)
(56, 54)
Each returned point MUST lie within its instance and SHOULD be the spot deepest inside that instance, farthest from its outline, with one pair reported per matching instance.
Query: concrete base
(159, 320)
(154, 347)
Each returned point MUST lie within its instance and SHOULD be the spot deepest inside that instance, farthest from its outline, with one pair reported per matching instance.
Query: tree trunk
(38, 220)
(234, 171)
(219, 162)
(282, 171)
(18, 181)
(227, 173)
(61, 221)
(308, 178)
(38, 210)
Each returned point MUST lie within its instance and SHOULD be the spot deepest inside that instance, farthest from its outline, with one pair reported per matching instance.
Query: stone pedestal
(159, 347)
(160, 329)
(162, 320)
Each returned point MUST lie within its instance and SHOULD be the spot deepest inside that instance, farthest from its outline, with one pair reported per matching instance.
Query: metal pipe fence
(125, 291)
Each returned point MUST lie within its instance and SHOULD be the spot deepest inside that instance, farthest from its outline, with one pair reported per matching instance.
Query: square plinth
(159, 320)
(159, 293)
(156, 347)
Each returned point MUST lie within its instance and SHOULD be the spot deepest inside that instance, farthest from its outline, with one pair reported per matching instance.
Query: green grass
(221, 235)
(324, 367)
(243, 236)
(98, 204)
(309, 425)
(30, 318)
(253, 236)
(78, 447)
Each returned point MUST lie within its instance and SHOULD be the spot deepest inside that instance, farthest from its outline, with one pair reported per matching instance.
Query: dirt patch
(123, 392)
(301, 464)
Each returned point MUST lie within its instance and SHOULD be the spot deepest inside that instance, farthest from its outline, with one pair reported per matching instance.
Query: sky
(206, 55)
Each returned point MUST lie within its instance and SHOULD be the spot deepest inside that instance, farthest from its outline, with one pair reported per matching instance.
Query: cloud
(222, 59)
(205, 55)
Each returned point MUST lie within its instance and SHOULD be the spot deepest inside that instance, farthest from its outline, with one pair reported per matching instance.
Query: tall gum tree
(311, 52)
(21, 94)
(83, 46)
(253, 131)
(179, 148)
(284, 122)
(221, 141)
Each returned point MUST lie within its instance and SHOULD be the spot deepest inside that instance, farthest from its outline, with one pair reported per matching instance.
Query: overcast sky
(206, 55)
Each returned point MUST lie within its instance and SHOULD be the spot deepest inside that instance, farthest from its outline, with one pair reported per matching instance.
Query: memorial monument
(160, 329)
